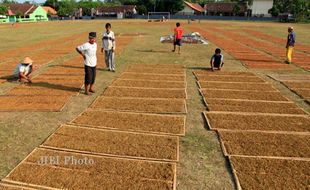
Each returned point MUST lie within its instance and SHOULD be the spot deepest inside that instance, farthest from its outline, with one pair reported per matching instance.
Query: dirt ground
(154, 123)
(107, 142)
(278, 123)
(141, 105)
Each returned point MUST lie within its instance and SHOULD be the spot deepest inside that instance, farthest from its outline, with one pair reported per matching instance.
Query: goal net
(158, 15)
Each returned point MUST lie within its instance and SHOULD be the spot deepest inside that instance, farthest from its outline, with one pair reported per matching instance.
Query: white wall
(260, 7)
(186, 11)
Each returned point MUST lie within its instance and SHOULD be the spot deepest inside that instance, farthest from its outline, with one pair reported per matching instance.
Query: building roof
(24, 9)
(224, 7)
(117, 9)
(50, 10)
(195, 6)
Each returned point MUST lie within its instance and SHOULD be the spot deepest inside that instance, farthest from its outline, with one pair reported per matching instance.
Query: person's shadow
(55, 86)
(13, 79)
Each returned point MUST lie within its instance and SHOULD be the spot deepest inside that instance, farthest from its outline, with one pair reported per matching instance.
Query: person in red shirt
(178, 32)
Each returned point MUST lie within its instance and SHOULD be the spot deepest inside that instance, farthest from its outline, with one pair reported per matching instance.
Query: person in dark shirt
(291, 37)
(217, 60)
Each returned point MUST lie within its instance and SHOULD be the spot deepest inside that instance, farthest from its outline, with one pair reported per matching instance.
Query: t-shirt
(22, 68)
(108, 41)
(178, 32)
(217, 60)
(89, 50)
(291, 39)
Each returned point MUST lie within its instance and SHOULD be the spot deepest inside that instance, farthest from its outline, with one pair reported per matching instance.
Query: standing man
(290, 44)
(108, 45)
(178, 32)
(88, 52)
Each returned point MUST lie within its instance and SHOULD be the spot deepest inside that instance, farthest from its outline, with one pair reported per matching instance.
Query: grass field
(202, 164)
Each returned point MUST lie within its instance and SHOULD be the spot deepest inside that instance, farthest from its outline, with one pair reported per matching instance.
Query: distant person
(217, 60)
(88, 51)
(23, 70)
(108, 45)
(291, 37)
(178, 33)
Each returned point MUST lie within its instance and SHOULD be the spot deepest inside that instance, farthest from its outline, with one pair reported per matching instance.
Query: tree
(236, 9)
(6, 2)
(87, 5)
(300, 8)
(141, 9)
(66, 7)
(52, 3)
(3, 10)
(172, 6)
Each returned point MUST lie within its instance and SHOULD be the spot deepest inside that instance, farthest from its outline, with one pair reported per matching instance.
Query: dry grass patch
(32, 103)
(148, 84)
(122, 144)
(252, 106)
(230, 78)
(235, 121)
(222, 73)
(144, 92)
(140, 105)
(236, 86)
(265, 144)
(107, 172)
(263, 173)
(154, 77)
(125, 121)
(246, 95)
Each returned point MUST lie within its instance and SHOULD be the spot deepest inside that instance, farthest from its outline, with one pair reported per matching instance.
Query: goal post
(158, 15)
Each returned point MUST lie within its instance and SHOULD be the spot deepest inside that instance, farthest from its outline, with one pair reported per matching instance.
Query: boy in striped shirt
(108, 45)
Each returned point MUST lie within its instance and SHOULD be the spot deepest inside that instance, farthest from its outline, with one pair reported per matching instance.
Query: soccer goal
(158, 16)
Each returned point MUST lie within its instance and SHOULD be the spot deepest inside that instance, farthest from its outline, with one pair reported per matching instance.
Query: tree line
(300, 8)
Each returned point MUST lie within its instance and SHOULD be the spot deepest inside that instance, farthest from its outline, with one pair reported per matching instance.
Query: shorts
(178, 42)
(90, 74)
(218, 65)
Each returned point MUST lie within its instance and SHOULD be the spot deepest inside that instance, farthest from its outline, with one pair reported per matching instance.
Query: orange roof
(195, 6)
(50, 10)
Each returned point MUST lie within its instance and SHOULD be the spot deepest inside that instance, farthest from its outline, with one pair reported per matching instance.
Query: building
(191, 9)
(50, 10)
(25, 13)
(123, 11)
(226, 9)
(51, 13)
(261, 7)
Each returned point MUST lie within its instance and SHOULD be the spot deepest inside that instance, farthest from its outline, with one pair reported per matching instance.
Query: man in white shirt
(23, 70)
(108, 45)
(88, 51)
